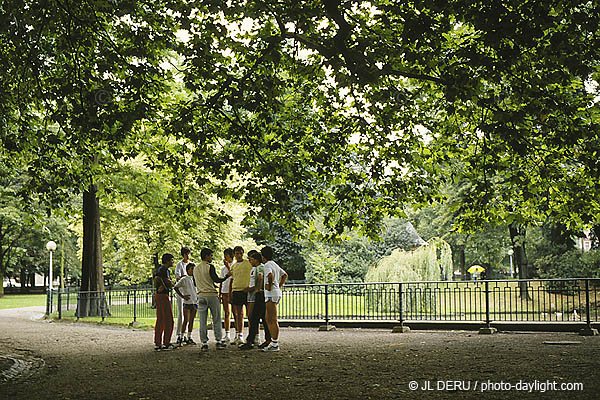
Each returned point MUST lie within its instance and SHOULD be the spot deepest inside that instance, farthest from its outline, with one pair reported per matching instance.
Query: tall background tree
(25, 228)
(76, 78)
(341, 110)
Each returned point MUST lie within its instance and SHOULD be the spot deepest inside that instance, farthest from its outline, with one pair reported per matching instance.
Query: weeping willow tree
(431, 262)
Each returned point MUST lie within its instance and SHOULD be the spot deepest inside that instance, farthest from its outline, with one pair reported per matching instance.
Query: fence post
(103, 304)
(327, 327)
(400, 328)
(326, 304)
(588, 330)
(487, 329)
(134, 305)
(78, 304)
(59, 304)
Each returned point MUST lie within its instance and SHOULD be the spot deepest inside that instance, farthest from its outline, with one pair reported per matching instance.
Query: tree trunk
(462, 262)
(91, 300)
(23, 279)
(517, 238)
(2, 269)
(156, 265)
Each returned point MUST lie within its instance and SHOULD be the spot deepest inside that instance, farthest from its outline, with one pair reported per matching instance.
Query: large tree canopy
(363, 107)
(347, 109)
(76, 76)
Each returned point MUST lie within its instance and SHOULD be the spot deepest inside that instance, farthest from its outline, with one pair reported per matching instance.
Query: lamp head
(51, 246)
(511, 252)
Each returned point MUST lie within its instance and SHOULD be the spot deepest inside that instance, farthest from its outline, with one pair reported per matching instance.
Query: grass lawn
(22, 300)
(121, 315)
(144, 323)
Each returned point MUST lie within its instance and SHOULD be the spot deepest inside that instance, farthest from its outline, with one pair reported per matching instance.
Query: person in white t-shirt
(274, 278)
(186, 289)
(225, 292)
(180, 272)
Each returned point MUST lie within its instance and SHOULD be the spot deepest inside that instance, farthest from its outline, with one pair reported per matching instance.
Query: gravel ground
(73, 360)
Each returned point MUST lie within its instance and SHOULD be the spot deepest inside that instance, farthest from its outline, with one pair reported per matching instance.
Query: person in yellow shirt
(239, 283)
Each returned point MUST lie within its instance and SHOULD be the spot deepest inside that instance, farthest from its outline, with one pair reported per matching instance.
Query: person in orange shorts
(163, 329)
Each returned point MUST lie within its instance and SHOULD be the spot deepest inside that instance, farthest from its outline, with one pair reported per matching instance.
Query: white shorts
(273, 299)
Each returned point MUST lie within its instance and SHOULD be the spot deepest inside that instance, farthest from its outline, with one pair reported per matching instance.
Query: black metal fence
(124, 303)
(540, 300)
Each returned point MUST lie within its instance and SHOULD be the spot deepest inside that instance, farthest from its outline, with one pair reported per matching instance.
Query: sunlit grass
(22, 300)
(142, 323)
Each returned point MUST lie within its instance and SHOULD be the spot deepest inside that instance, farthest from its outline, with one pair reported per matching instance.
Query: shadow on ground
(81, 361)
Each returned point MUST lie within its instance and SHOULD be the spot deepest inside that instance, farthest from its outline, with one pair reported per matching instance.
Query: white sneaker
(271, 347)
(256, 340)
(238, 341)
(226, 339)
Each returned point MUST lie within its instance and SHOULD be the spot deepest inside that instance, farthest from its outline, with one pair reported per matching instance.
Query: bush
(566, 265)
(591, 264)
(571, 264)
(321, 266)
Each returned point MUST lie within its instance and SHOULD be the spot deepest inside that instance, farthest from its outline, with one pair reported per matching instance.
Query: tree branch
(320, 48)
(407, 74)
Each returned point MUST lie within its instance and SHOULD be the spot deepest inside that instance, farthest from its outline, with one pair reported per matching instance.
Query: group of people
(254, 284)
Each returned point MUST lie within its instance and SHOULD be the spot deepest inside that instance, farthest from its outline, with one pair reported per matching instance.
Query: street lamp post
(50, 246)
(510, 257)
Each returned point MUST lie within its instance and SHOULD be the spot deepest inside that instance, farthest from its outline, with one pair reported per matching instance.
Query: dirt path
(80, 361)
